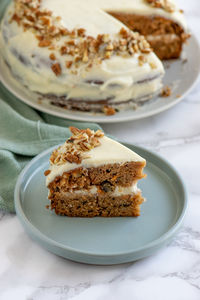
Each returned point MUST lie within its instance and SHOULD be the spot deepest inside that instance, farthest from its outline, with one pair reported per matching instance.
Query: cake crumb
(166, 92)
(39, 100)
(184, 61)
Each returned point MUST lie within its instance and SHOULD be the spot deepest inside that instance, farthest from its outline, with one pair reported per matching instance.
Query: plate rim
(111, 119)
(36, 234)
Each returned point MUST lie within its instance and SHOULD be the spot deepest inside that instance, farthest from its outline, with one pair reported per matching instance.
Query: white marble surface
(28, 272)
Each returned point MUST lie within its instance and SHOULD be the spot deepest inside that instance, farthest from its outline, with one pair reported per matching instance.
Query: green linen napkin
(24, 133)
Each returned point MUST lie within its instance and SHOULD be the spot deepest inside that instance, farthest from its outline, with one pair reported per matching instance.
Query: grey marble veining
(28, 272)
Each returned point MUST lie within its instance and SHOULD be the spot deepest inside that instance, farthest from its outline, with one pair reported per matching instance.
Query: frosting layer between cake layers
(117, 79)
(118, 191)
(109, 152)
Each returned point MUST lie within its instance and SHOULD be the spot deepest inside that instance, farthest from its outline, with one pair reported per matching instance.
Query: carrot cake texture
(162, 23)
(92, 175)
(79, 56)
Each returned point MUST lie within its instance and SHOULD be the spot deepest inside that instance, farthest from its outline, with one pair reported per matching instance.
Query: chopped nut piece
(39, 37)
(166, 92)
(108, 110)
(63, 50)
(74, 130)
(45, 21)
(124, 33)
(73, 151)
(107, 54)
(68, 64)
(56, 68)
(99, 133)
(47, 172)
(52, 56)
(85, 56)
(152, 65)
(81, 32)
(142, 59)
(163, 4)
(44, 43)
(16, 18)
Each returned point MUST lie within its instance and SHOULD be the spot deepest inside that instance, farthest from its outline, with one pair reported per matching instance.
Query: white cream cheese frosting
(118, 191)
(123, 78)
(108, 152)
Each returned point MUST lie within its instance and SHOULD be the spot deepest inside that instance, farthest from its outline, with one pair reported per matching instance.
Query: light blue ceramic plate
(181, 76)
(104, 240)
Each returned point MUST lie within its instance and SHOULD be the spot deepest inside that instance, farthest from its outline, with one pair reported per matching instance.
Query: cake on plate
(78, 55)
(92, 55)
(92, 175)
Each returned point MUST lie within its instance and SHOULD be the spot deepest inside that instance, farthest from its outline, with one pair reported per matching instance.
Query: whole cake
(78, 56)
(89, 55)
(93, 175)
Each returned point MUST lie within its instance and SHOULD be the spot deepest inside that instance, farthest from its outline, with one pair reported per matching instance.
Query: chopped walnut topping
(44, 43)
(68, 64)
(56, 69)
(16, 18)
(47, 172)
(142, 59)
(81, 32)
(63, 50)
(73, 151)
(152, 65)
(52, 56)
(108, 110)
(81, 47)
(167, 5)
(166, 92)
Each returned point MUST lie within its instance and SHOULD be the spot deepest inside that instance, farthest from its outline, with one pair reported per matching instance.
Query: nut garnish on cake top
(81, 47)
(92, 175)
(77, 146)
(167, 5)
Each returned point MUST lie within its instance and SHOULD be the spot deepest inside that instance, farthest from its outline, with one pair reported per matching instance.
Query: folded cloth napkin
(24, 133)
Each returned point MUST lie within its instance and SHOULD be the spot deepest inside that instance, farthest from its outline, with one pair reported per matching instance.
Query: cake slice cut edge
(92, 175)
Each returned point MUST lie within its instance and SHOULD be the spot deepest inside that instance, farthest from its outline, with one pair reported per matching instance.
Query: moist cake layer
(97, 205)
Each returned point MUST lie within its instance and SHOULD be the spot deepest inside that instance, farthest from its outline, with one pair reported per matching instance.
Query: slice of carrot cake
(93, 175)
